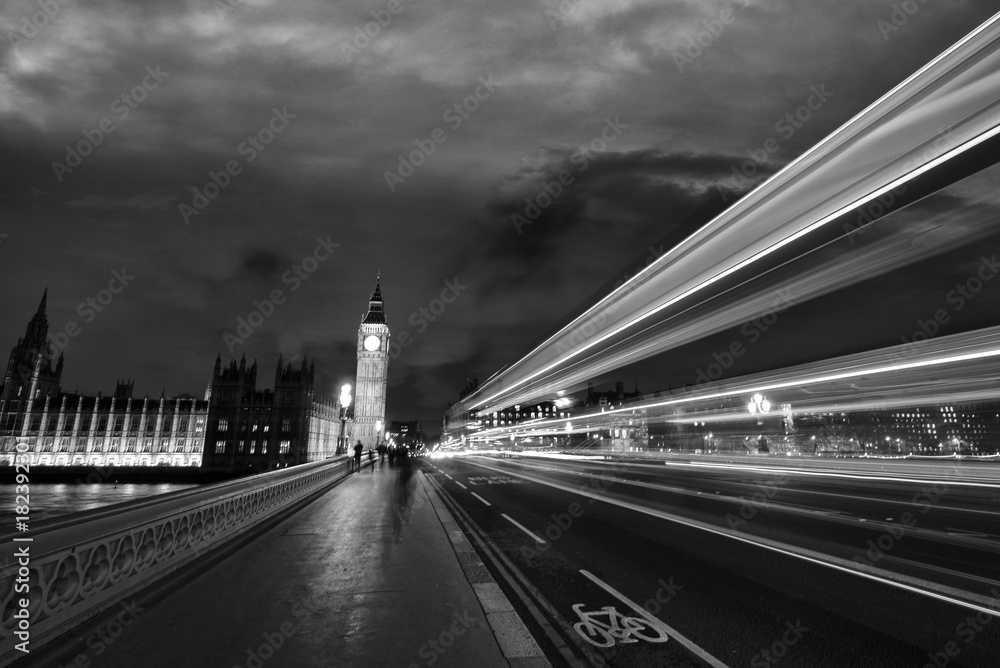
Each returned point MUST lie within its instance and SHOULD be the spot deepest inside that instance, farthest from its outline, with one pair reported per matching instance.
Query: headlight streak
(947, 353)
(958, 90)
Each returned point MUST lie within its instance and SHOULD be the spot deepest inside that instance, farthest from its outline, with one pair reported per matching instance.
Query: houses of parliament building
(234, 427)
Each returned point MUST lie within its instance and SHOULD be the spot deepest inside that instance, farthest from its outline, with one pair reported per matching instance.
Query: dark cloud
(223, 75)
(262, 264)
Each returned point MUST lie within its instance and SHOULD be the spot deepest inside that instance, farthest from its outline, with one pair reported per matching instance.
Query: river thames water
(53, 499)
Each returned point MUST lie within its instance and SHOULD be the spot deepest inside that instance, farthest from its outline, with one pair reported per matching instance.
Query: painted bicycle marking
(618, 628)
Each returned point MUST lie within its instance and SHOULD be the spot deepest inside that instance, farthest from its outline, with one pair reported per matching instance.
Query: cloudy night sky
(310, 115)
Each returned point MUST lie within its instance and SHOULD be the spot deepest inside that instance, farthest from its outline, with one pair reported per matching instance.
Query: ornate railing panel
(88, 562)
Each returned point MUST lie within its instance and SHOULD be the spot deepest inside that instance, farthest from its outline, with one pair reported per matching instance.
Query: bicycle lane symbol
(606, 627)
(618, 628)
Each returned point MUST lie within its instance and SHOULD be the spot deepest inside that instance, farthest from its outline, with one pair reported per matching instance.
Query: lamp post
(345, 401)
(760, 407)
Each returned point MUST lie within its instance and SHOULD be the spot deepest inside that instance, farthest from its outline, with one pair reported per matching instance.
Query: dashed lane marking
(523, 528)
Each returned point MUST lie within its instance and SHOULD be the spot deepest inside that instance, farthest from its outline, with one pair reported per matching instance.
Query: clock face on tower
(372, 343)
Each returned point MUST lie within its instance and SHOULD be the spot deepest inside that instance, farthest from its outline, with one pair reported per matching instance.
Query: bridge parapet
(82, 564)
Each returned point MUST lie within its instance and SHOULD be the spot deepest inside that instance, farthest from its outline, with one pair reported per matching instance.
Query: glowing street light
(345, 401)
(759, 404)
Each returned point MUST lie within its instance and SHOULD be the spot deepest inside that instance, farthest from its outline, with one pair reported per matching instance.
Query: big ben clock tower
(373, 372)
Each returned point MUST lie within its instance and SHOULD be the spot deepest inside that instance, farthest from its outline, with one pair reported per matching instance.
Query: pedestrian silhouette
(357, 457)
(404, 494)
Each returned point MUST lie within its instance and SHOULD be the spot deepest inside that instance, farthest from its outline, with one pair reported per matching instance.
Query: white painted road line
(461, 485)
(482, 499)
(655, 621)
(448, 476)
(969, 600)
(522, 528)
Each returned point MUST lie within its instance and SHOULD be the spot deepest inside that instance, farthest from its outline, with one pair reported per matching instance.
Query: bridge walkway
(345, 581)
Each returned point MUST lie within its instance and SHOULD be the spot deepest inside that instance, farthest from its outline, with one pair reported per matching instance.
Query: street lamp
(759, 406)
(345, 401)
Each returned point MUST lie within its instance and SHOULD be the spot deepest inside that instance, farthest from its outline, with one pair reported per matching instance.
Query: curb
(516, 642)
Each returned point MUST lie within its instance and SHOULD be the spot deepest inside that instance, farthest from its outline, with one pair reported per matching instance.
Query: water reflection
(49, 500)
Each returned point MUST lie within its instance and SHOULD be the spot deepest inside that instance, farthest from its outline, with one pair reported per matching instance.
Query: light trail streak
(959, 90)
(830, 473)
(949, 354)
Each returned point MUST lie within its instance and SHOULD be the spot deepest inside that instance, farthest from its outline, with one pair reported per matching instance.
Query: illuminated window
(220, 447)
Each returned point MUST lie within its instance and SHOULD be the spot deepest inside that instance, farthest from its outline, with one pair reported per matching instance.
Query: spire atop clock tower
(375, 313)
